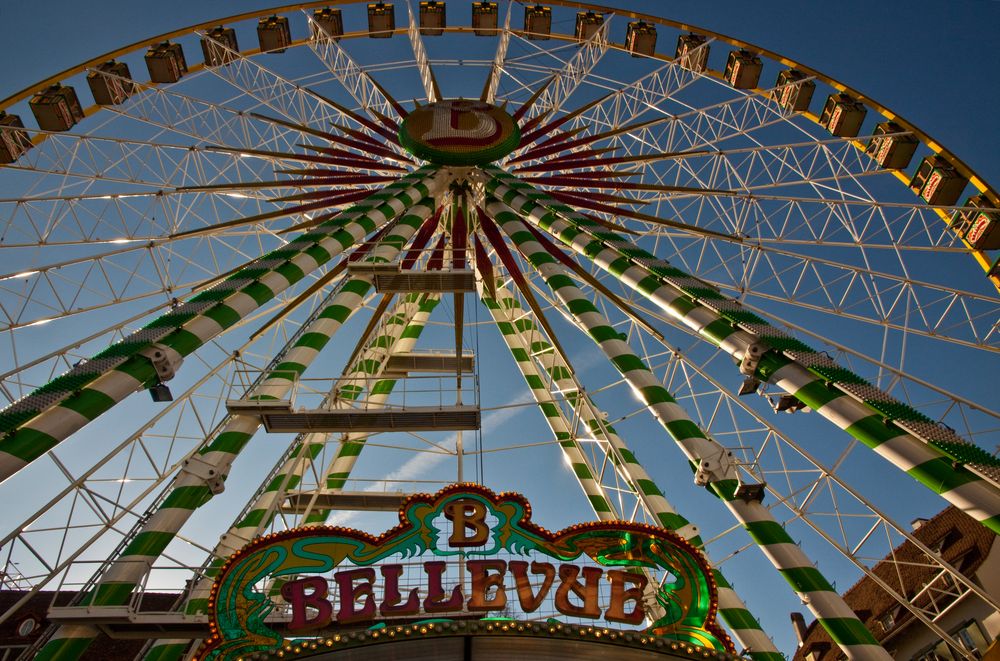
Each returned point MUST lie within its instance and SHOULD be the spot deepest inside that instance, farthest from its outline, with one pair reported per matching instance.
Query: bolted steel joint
(165, 361)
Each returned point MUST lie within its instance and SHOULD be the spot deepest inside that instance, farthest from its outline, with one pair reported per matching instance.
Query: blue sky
(934, 63)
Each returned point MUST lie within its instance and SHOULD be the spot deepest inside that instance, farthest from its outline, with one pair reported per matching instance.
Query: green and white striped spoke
(38, 422)
(708, 457)
(352, 443)
(406, 319)
(190, 489)
(930, 453)
(525, 340)
(400, 334)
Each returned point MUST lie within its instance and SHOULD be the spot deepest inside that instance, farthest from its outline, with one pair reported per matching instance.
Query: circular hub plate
(459, 133)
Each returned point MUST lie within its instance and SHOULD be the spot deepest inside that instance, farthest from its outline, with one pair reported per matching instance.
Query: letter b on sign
(295, 594)
(468, 519)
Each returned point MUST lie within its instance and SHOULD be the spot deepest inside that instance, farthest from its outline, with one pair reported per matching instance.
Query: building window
(887, 621)
(946, 540)
(939, 652)
(28, 625)
(969, 635)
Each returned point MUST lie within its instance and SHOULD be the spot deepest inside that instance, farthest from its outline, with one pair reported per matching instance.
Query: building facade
(963, 543)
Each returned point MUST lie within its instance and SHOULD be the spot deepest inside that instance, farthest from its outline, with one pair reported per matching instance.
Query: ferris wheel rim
(884, 110)
(979, 255)
(361, 34)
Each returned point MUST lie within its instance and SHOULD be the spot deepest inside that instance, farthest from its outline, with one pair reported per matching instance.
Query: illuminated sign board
(462, 554)
(459, 132)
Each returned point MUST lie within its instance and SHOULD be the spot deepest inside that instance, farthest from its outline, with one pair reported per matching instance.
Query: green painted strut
(405, 320)
(37, 423)
(190, 488)
(525, 340)
(353, 443)
(928, 452)
(711, 461)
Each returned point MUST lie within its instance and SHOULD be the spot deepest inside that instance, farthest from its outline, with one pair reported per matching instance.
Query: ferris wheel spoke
(626, 104)
(751, 173)
(148, 267)
(897, 305)
(409, 324)
(431, 91)
(646, 138)
(756, 170)
(899, 378)
(49, 293)
(29, 369)
(499, 60)
(125, 478)
(647, 94)
(205, 122)
(813, 493)
(844, 519)
(287, 476)
(694, 444)
(656, 91)
(747, 174)
(123, 171)
(141, 165)
(837, 286)
(37, 424)
(974, 419)
(698, 128)
(370, 96)
(526, 341)
(366, 385)
(572, 74)
(300, 105)
(523, 341)
(853, 289)
(150, 539)
(848, 404)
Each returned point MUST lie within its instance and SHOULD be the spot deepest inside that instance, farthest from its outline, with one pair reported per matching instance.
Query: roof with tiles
(964, 543)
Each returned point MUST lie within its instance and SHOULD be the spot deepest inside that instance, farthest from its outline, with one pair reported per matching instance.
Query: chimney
(916, 523)
(799, 624)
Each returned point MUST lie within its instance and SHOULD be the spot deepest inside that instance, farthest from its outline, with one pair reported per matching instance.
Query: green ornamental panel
(502, 565)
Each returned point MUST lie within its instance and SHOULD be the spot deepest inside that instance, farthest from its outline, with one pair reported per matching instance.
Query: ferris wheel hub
(459, 132)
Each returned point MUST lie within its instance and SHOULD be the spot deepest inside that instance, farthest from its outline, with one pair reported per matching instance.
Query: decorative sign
(463, 553)
(459, 133)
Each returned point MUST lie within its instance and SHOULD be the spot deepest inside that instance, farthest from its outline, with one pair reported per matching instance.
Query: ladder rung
(360, 501)
(429, 362)
(258, 406)
(414, 418)
(426, 281)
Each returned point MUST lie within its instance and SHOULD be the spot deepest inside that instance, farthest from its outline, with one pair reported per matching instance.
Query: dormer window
(887, 620)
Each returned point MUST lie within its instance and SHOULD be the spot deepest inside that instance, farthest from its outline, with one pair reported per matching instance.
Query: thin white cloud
(421, 464)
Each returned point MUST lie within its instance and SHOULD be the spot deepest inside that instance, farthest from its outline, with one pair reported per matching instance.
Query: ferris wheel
(631, 268)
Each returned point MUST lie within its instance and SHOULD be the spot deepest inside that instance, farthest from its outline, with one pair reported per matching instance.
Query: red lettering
(577, 594)
(294, 593)
(350, 594)
(435, 601)
(391, 596)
